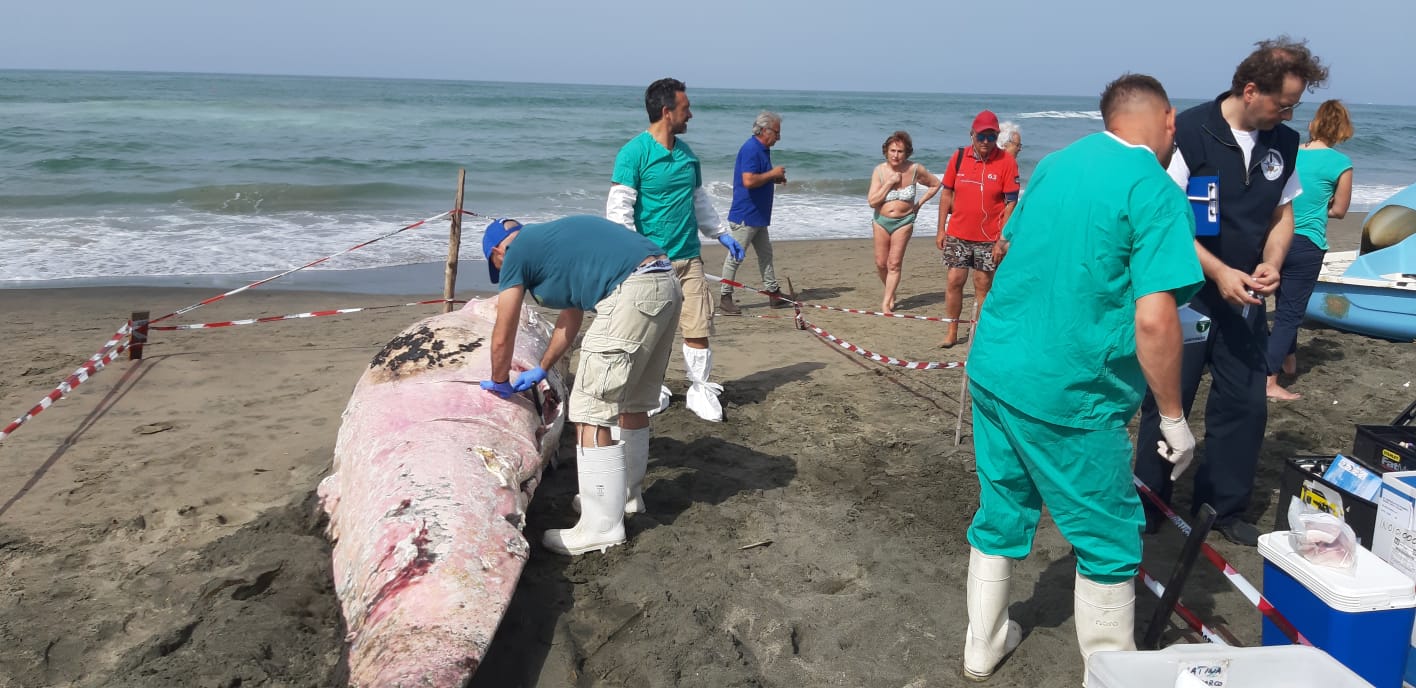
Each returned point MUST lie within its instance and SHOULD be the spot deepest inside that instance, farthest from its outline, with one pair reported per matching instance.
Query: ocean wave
(1367, 196)
(240, 199)
(1061, 114)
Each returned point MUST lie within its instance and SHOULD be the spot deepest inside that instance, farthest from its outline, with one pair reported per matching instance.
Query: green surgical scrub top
(1100, 226)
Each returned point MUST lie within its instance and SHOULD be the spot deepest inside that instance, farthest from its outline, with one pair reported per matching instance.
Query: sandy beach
(158, 527)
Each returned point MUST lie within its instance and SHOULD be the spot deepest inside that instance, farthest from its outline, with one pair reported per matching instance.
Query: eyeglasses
(984, 136)
(778, 132)
(1290, 108)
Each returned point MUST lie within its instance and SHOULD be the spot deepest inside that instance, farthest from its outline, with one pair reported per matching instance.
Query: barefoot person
(1050, 413)
(1327, 192)
(894, 194)
(980, 191)
(1240, 139)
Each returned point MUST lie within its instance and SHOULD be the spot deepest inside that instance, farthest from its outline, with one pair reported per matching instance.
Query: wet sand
(158, 526)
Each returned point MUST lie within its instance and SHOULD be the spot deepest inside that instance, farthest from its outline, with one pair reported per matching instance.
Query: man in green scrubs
(1081, 317)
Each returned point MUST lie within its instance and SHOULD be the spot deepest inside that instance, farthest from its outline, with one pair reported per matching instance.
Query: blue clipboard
(1203, 193)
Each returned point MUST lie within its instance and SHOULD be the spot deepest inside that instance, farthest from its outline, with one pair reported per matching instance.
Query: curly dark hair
(1129, 87)
(902, 137)
(662, 94)
(1274, 60)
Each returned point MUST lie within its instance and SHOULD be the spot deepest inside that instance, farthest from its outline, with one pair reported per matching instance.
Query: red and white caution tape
(187, 309)
(1189, 617)
(1235, 578)
(887, 360)
(802, 304)
(293, 316)
(110, 350)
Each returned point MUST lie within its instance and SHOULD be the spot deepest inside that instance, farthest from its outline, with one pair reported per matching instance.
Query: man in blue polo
(578, 264)
(754, 179)
(657, 190)
(1239, 138)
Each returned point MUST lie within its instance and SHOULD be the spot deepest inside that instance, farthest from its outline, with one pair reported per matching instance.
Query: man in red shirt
(980, 189)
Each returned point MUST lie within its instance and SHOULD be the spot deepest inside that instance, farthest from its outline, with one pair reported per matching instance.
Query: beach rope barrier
(1235, 578)
(802, 323)
(298, 316)
(838, 309)
(116, 345)
(1184, 612)
(120, 341)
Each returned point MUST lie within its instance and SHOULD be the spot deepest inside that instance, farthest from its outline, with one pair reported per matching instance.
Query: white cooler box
(1218, 665)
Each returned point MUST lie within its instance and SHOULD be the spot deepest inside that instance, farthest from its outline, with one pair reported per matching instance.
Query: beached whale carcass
(428, 493)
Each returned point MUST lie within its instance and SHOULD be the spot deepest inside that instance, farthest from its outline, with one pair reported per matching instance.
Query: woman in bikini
(896, 198)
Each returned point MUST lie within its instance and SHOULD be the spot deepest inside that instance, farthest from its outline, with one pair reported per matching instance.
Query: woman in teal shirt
(1327, 192)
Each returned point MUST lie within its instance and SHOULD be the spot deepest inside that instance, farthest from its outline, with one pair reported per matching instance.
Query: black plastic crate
(1381, 446)
(1361, 513)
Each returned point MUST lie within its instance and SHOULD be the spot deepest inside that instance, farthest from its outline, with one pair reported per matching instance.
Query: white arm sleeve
(709, 224)
(1179, 170)
(619, 207)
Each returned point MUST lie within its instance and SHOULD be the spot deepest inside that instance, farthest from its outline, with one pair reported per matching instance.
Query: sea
(157, 178)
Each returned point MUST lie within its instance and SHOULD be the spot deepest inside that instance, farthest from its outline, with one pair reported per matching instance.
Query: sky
(1030, 47)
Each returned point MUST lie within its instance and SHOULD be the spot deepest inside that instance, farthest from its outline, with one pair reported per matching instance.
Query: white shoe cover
(702, 397)
(665, 397)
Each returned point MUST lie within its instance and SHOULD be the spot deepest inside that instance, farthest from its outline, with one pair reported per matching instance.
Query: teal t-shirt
(573, 262)
(1318, 169)
(1101, 225)
(665, 181)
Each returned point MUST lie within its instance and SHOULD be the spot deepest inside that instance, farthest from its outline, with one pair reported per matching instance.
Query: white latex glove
(1178, 447)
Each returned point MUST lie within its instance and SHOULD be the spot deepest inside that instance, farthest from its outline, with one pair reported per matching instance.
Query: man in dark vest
(1239, 138)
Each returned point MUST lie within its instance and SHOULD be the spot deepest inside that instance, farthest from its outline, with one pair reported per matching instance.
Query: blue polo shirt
(752, 207)
(573, 262)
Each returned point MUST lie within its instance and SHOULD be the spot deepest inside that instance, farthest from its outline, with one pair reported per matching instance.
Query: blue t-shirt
(752, 207)
(573, 262)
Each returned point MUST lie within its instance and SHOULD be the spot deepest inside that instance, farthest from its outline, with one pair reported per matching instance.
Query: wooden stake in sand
(139, 335)
(454, 243)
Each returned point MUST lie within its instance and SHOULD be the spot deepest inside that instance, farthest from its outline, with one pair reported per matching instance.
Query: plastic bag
(1321, 538)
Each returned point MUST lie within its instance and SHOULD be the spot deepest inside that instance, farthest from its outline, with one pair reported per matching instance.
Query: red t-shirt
(981, 189)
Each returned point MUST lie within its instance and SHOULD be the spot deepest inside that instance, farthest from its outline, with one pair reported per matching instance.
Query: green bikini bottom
(890, 224)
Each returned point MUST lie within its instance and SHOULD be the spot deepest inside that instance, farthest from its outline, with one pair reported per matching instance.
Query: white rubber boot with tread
(990, 635)
(601, 472)
(636, 457)
(1105, 617)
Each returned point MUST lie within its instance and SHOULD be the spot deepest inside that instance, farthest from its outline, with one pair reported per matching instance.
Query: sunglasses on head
(986, 136)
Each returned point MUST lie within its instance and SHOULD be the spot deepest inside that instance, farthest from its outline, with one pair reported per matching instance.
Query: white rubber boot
(636, 456)
(702, 397)
(1106, 617)
(602, 492)
(990, 636)
(636, 464)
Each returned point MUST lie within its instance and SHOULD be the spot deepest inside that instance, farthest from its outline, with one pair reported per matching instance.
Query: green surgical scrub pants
(1083, 475)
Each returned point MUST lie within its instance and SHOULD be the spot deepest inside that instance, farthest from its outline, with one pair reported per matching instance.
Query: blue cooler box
(1362, 616)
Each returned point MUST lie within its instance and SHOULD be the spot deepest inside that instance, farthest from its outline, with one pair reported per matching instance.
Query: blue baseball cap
(496, 233)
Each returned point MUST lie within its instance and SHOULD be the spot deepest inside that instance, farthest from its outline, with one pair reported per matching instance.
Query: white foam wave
(1368, 196)
(1062, 114)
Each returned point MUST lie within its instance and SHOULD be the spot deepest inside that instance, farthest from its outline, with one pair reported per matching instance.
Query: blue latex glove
(529, 379)
(501, 389)
(734, 248)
